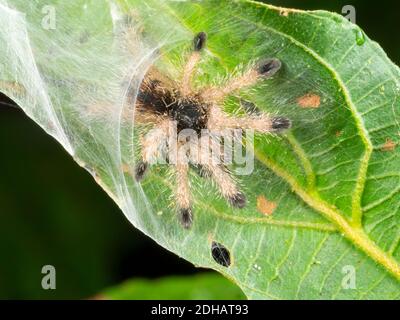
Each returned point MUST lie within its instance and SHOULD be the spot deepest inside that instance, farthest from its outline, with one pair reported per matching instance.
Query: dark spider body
(188, 112)
(162, 102)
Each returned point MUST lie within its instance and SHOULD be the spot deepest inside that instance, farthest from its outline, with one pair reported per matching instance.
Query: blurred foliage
(52, 212)
(207, 286)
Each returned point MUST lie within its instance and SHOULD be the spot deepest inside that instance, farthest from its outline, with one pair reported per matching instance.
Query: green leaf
(334, 179)
(208, 286)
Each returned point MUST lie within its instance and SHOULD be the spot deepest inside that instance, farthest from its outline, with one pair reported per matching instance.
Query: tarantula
(162, 102)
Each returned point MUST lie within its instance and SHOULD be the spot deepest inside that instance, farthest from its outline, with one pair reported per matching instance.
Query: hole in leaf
(220, 254)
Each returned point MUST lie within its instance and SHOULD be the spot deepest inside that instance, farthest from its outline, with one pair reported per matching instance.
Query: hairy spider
(162, 103)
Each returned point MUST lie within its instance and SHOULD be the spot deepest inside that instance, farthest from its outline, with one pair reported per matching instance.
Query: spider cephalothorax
(189, 112)
(164, 104)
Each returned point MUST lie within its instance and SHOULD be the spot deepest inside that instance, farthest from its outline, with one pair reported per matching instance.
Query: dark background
(52, 212)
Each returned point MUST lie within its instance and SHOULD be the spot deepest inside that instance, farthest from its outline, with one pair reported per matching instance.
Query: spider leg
(151, 145)
(212, 165)
(226, 184)
(262, 70)
(183, 195)
(199, 43)
(261, 122)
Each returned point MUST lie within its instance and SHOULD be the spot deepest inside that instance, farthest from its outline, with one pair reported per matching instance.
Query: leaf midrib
(355, 234)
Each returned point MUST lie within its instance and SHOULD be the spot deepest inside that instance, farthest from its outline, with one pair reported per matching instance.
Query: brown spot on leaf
(310, 100)
(338, 133)
(389, 145)
(265, 206)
